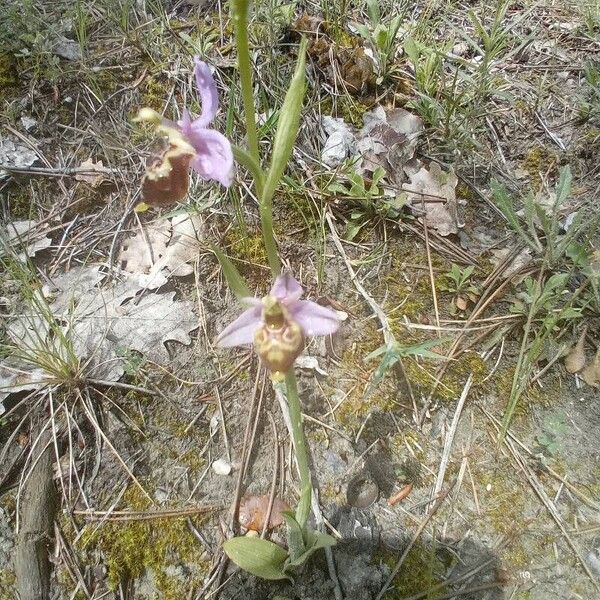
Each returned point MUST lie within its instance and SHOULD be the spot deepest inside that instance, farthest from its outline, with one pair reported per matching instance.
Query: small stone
(161, 495)
(460, 49)
(68, 49)
(221, 467)
(29, 123)
(593, 561)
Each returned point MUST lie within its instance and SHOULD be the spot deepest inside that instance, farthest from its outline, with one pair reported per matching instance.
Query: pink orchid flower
(214, 159)
(191, 144)
(278, 324)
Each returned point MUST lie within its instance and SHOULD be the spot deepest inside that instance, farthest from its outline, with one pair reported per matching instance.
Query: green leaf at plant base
(563, 187)
(295, 537)
(257, 556)
(413, 50)
(314, 540)
(235, 281)
(287, 128)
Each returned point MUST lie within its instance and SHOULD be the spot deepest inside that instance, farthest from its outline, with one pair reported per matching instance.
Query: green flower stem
(266, 220)
(240, 25)
(247, 160)
(301, 451)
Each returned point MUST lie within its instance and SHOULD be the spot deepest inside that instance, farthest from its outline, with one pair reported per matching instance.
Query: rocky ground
(108, 369)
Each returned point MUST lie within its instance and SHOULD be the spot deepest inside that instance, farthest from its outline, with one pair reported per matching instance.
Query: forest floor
(442, 196)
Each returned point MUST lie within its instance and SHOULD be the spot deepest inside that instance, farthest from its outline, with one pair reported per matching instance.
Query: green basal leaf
(316, 540)
(412, 50)
(352, 230)
(295, 537)
(339, 188)
(363, 30)
(257, 556)
(303, 507)
(287, 128)
(563, 188)
(373, 11)
(235, 281)
(381, 37)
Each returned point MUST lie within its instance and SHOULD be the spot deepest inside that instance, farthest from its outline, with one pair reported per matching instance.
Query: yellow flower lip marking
(280, 340)
(274, 313)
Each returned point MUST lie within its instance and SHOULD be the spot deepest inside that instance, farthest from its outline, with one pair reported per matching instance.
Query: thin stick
(439, 482)
(274, 480)
(430, 265)
(130, 515)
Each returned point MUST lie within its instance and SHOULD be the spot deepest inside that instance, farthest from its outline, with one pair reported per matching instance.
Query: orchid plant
(278, 324)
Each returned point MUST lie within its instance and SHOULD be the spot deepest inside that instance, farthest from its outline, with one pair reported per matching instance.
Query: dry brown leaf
(166, 250)
(15, 154)
(25, 237)
(102, 323)
(388, 139)
(591, 373)
(253, 512)
(434, 190)
(575, 360)
(462, 303)
(95, 172)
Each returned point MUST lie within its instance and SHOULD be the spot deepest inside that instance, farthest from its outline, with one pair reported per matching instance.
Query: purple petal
(314, 318)
(208, 93)
(286, 288)
(242, 330)
(214, 158)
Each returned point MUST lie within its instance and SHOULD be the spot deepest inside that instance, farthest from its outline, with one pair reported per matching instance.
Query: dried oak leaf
(575, 359)
(145, 326)
(591, 373)
(15, 154)
(94, 173)
(434, 191)
(253, 512)
(163, 250)
(17, 377)
(388, 139)
(102, 323)
(26, 238)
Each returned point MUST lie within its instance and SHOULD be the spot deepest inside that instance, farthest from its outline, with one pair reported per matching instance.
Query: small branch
(39, 503)
(450, 438)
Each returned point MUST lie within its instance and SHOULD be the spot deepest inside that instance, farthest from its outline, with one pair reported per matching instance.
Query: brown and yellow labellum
(280, 340)
(167, 178)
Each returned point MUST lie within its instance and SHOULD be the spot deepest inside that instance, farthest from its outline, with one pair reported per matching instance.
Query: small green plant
(541, 227)
(38, 339)
(458, 283)
(544, 305)
(381, 35)
(81, 23)
(560, 252)
(392, 352)
(427, 63)
(549, 439)
(491, 43)
(368, 201)
(269, 560)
